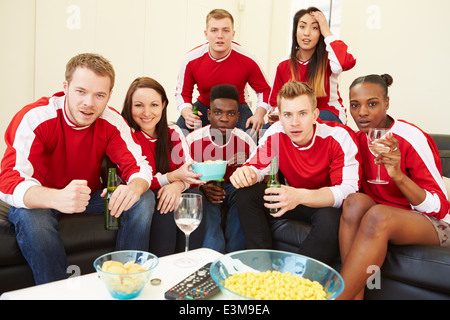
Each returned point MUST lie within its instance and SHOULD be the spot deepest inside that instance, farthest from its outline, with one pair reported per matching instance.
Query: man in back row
(52, 166)
(220, 61)
(321, 166)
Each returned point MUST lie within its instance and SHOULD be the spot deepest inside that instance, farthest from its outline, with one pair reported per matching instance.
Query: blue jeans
(215, 238)
(244, 113)
(327, 115)
(41, 244)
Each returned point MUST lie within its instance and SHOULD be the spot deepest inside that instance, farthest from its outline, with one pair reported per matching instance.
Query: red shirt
(339, 60)
(45, 148)
(420, 161)
(178, 156)
(203, 148)
(331, 159)
(238, 68)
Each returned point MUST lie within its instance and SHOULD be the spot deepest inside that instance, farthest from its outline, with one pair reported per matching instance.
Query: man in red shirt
(320, 164)
(52, 166)
(221, 140)
(220, 61)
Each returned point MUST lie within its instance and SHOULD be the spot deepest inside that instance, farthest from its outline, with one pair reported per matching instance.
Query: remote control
(199, 285)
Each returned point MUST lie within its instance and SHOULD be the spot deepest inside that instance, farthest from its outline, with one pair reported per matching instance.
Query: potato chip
(117, 267)
(129, 264)
(135, 268)
(112, 265)
(121, 281)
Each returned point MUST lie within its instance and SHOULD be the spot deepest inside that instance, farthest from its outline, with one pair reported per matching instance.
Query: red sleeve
(22, 146)
(186, 81)
(259, 83)
(421, 172)
(345, 60)
(123, 150)
(279, 81)
(263, 154)
(187, 85)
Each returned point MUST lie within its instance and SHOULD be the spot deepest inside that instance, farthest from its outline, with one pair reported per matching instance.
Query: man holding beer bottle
(320, 165)
(52, 166)
(220, 61)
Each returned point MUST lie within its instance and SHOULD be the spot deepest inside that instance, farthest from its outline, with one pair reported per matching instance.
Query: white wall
(408, 40)
(149, 37)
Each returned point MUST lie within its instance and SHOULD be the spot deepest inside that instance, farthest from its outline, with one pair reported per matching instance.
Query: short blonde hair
(219, 14)
(293, 89)
(98, 64)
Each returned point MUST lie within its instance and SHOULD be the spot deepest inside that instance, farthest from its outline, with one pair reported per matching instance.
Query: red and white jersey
(331, 159)
(178, 153)
(203, 148)
(238, 68)
(339, 60)
(43, 147)
(420, 161)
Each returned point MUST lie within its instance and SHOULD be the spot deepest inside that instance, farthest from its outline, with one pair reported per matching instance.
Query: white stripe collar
(149, 138)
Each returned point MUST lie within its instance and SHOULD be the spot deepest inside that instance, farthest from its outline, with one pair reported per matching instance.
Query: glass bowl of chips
(275, 275)
(210, 170)
(126, 272)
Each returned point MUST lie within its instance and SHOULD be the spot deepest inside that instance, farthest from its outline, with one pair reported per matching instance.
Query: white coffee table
(91, 287)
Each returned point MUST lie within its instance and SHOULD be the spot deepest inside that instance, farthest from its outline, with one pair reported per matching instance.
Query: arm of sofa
(443, 144)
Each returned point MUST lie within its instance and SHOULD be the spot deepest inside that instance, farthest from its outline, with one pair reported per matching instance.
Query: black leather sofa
(409, 272)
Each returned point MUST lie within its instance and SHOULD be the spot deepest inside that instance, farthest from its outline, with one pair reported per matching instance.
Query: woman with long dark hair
(318, 58)
(145, 109)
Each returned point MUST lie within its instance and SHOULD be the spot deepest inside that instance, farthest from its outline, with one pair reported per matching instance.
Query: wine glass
(375, 134)
(187, 216)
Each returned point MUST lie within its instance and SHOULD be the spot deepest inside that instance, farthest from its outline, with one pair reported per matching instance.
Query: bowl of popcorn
(275, 275)
(125, 273)
(210, 170)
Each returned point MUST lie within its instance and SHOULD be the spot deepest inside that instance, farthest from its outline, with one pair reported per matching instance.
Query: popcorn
(274, 285)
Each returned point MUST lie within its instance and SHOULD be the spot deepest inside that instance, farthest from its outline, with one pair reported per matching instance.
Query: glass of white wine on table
(188, 216)
(373, 138)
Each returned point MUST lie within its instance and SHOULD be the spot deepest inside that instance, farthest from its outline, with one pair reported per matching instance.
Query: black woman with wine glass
(410, 207)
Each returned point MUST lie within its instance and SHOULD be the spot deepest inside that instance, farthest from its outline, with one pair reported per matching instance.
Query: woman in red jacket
(145, 109)
(318, 58)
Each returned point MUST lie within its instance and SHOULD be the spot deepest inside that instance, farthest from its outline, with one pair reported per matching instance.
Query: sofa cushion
(289, 232)
(447, 185)
(443, 143)
(9, 250)
(78, 232)
(85, 231)
(445, 160)
(421, 266)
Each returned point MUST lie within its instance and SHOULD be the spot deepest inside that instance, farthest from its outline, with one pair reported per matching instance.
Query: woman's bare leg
(355, 207)
(380, 225)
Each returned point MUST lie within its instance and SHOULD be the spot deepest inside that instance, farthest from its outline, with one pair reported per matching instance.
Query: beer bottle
(111, 222)
(219, 183)
(273, 181)
(194, 110)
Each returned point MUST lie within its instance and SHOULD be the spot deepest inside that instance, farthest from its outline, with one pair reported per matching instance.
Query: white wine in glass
(374, 135)
(188, 216)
